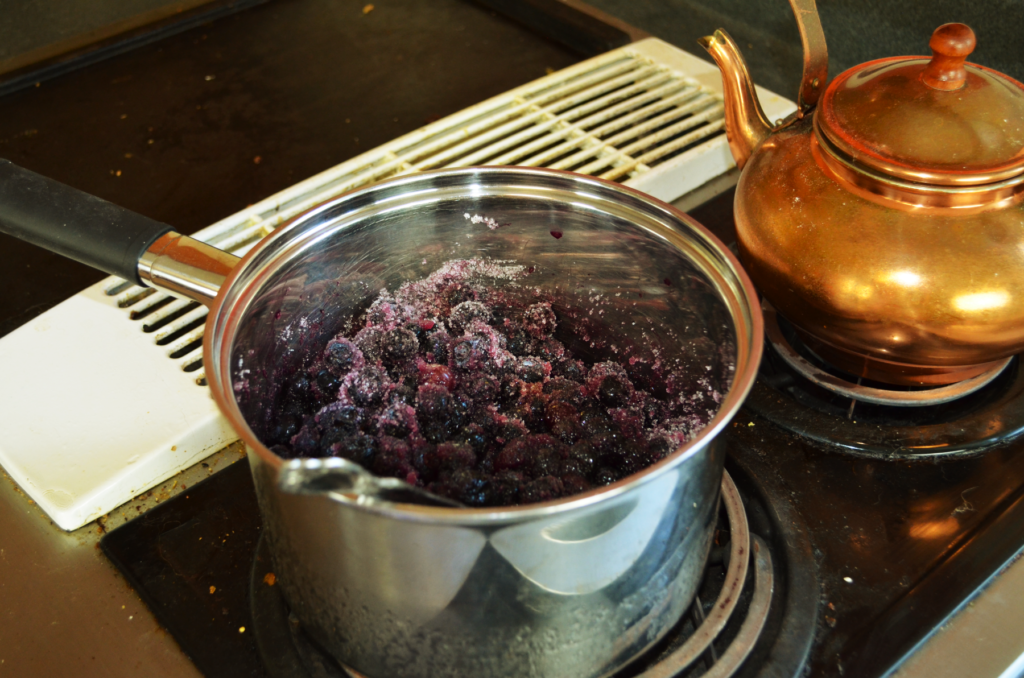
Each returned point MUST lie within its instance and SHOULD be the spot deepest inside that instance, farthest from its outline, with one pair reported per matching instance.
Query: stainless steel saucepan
(576, 587)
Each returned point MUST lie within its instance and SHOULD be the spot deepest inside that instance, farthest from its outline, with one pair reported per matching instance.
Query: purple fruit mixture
(453, 385)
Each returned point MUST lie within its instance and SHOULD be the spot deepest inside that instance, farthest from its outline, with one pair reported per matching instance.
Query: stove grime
(739, 612)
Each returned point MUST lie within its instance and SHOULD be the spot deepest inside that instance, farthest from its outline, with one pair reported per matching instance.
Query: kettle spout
(745, 123)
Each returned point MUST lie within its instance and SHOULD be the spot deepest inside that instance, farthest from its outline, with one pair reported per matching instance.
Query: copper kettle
(885, 218)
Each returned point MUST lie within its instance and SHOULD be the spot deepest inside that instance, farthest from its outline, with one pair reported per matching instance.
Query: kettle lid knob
(951, 44)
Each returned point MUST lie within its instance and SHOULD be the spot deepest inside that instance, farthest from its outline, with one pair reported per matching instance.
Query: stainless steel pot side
(574, 588)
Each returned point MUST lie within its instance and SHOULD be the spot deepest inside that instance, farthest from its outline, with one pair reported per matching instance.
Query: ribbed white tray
(124, 404)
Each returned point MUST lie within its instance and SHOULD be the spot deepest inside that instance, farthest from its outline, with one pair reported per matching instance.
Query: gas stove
(878, 523)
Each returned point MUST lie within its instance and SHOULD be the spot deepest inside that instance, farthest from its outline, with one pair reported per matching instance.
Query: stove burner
(968, 425)
(822, 374)
(288, 652)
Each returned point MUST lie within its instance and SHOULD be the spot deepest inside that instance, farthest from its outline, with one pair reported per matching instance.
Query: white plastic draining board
(130, 407)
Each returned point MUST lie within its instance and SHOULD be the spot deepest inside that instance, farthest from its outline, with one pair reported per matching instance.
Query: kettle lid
(935, 121)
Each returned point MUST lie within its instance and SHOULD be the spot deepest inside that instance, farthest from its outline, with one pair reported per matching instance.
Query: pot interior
(630, 279)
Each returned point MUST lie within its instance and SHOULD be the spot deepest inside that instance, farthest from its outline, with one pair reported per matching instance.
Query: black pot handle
(74, 224)
(100, 234)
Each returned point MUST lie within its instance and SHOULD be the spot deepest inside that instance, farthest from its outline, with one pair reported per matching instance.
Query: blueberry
(306, 443)
(282, 430)
(458, 293)
(546, 488)
(509, 391)
(482, 389)
(451, 457)
(514, 456)
(605, 476)
(471, 353)
(531, 369)
(660, 448)
(341, 417)
(406, 391)
(531, 410)
(503, 489)
(396, 420)
(398, 346)
(341, 355)
(370, 342)
(613, 392)
(540, 321)
(384, 311)
(654, 412)
(358, 448)
(465, 313)
(434, 412)
(299, 395)
(518, 344)
(574, 483)
(391, 459)
(563, 390)
(477, 437)
(584, 458)
(467, 486)
(573, 370)
(438, 345)
(328, 384)
(550, 350)
(369, 386)
(594, 422)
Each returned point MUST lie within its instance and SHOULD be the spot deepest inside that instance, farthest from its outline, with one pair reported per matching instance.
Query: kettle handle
(812, 84)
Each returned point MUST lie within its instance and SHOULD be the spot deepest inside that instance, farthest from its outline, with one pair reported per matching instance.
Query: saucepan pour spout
(100, 234)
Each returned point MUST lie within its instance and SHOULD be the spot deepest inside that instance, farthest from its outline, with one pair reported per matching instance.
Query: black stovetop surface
(899, 543)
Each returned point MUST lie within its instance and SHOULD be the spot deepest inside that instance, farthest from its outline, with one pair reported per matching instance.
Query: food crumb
(241, 629)
(213, 590)
(257, 159)
(269, 579)
(367, 9)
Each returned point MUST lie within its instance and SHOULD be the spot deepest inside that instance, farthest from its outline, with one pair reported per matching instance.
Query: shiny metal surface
(898, 280)
(182, 265)
(746, 125)
(815, 74)
(886, 115)
(351, 482)
(574, 587)
(917, 294)
(886, 189)
(931, 396)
